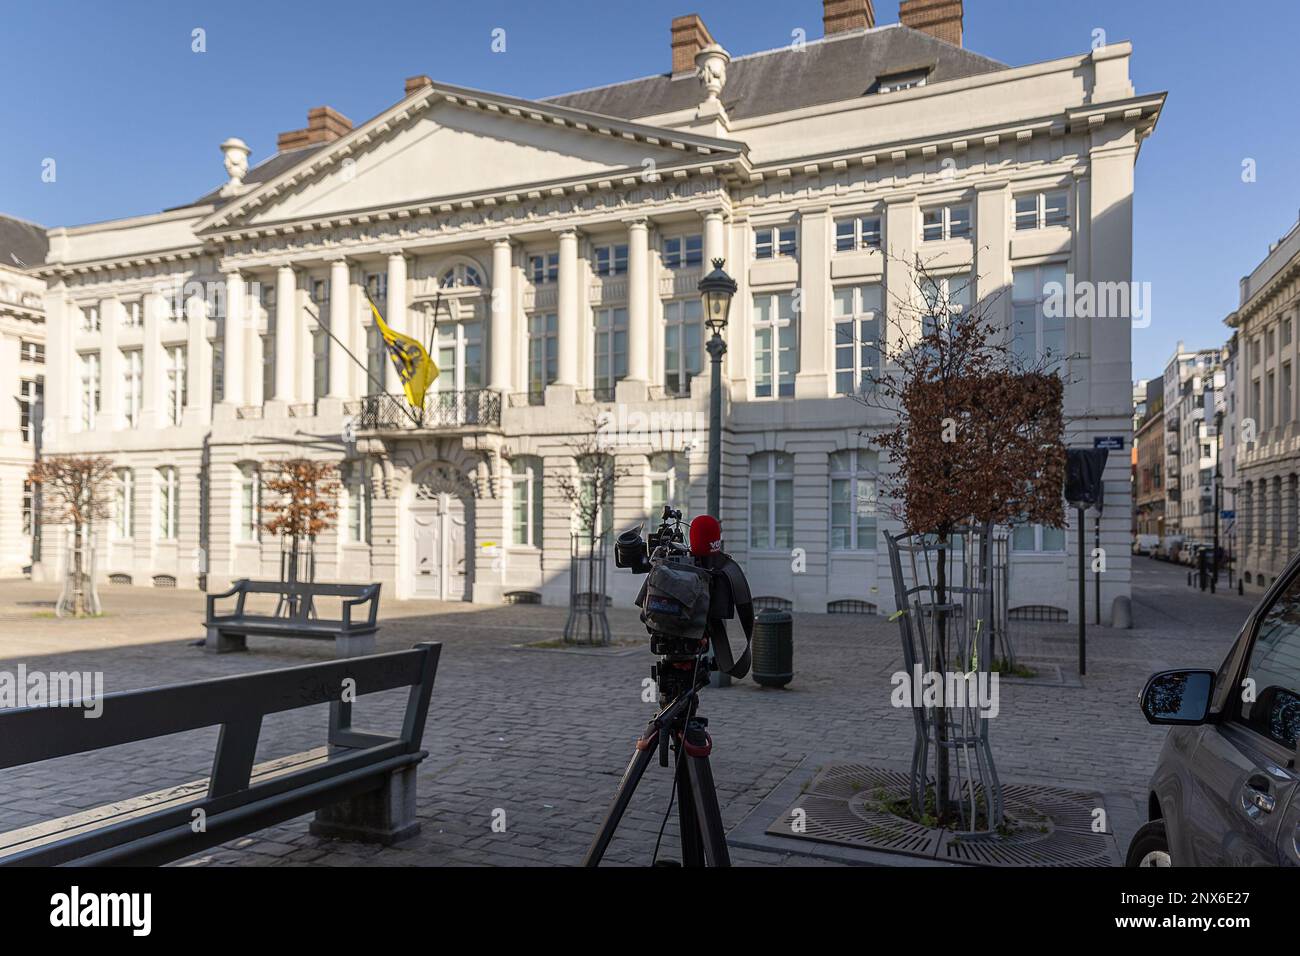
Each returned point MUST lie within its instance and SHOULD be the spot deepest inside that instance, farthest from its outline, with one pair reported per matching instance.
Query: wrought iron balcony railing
(467, 409)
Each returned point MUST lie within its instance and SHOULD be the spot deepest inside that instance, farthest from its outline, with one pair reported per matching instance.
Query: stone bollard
(1121, 613)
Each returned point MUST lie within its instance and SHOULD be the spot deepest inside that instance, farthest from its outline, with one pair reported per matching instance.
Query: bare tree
(75, 490)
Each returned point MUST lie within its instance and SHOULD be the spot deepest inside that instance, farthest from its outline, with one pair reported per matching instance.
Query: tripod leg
(704, 796)
(645, 751)
(688, 820)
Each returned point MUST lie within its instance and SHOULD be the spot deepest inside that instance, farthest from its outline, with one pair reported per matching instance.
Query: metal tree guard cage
(587, 622)
(944, 619)
(68, 574)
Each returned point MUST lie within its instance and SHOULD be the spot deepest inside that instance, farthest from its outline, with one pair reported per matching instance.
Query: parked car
(1226, 789)
(1145, 543)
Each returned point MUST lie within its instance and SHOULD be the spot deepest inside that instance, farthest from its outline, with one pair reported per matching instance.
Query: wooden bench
(296, 616)
(361, 786)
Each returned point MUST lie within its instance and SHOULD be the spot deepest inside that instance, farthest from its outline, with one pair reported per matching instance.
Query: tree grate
(1046, 826)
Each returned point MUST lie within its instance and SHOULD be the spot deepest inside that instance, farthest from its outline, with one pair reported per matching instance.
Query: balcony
(469, 410)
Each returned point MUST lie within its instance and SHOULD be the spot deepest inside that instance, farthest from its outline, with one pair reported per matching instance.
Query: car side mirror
(1178, 697)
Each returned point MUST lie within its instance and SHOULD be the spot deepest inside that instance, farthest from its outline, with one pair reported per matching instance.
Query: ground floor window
(771, 501)
(358, 509)
(124, 504)
(1037, 537)
(168, 503)
(526, 501)
(853, 500)
(668, 481)
(250, 502)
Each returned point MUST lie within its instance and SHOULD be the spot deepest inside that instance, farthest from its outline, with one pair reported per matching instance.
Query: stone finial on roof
(236, 153)
(711, 67)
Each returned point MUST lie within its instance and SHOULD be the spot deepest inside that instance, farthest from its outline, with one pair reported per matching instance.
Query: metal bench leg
(354, 645)
(386, 815)
(224, 642)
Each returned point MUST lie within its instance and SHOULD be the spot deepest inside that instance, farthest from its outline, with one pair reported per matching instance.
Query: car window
(1270, 695)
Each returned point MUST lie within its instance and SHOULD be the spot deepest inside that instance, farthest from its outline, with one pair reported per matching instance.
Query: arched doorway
(441, 532)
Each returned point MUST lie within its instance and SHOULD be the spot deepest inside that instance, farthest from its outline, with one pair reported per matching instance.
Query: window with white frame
(462, 274)
(771, 501)
(250, 502)
(1037, 537)
(131, 314)
(543, 353)
(30, 393)
(683, 251)
(124, 504)
(771, 242)
(776, 344)
(944, 298)
(856, 312)
(611, 260)
(29, 506)
(132, 386)
(29, 351)
(596, 493)
(611, 350)
(376, 360)
(90, 318)
(1041, 209)
(168, 504)
(89, 375)
(860, 232)
(667, 482)
(853, 500)
(544, 268)
(176, 305)
(1038, 336)
(683, 337)
(358, 506)
(376, 284)
(176, 383)
(268, 364)
(218, 372)
(458, 349)
(526, 492)
(946, 222)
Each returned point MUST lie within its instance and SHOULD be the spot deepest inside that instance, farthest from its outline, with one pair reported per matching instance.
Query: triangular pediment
(445, 147)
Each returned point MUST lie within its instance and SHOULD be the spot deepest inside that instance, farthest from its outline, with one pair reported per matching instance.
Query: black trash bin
(773, 653)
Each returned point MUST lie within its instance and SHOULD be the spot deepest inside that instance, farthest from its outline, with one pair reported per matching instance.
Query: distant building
(1149, 470)
(1228, 450)
(1185, 437)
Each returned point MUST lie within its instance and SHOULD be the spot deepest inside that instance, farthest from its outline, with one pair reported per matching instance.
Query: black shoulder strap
(744, 603)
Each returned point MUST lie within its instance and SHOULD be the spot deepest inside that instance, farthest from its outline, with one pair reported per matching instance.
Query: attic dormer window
(893, 82)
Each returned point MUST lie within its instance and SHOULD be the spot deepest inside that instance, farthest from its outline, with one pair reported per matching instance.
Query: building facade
(1149, 483)
(22, 370)
(550, 251)
(1267, 437)
(1184, 381)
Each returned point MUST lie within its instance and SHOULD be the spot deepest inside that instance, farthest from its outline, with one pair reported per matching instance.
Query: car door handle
(1255, 793)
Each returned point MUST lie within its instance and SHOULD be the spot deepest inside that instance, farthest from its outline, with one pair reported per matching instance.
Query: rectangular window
(543, 354)
(320, 363)
(683, 334)
(544, 268)
(775, 241)
(29, 351)
(945, 298)
(853, 500)
(268, 366)
(176, 383)
(1284, 398)
(30, 393)
(132, 390)
(377, 287)
(167, 504)
(218, 373)
(124, 504)
(945, 222)
(776, 345)
(359, 512)
(1042, 209)
(683, 251)
(376, 360)
(1270, 389)
(526, 502)
(1038, 336)
(893, 82)
(132, 314)
(611, 351)
(862, 232)
(90, 318)
(611, 260)
(29, 507)
(856, 317)
(250, 503)
(89, 362)
(771, 501)
(1035, 537)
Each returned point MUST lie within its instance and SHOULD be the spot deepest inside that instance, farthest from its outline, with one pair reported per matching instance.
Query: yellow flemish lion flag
(414, 366)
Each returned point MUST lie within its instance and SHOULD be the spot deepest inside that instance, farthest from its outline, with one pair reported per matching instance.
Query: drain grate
(1047, 826)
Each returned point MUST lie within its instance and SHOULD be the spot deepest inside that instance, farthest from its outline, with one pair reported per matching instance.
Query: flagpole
(333, 338)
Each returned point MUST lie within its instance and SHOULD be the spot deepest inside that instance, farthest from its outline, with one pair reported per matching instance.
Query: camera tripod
(676, 725)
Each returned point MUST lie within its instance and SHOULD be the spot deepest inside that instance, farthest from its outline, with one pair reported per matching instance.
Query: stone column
(286, 339)
(198, 359)
(111, 314)
(232, 341)
(153, 365)
(715, 241)
(570, 329)
(340, 287)
(396, 317)
(902, 231)
(813, 380)
(638, 301)
(500, 339)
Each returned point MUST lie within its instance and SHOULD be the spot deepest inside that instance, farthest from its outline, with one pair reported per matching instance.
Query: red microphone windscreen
(706, 536)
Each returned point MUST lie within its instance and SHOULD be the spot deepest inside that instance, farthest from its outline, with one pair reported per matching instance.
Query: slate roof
(22, 244)
(836, 68)
(264, 171)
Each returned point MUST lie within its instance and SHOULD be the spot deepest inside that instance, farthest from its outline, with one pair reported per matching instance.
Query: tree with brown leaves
(305, 507)
(75, 490)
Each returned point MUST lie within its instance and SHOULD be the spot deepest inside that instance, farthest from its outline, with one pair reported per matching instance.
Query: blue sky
(132, 117)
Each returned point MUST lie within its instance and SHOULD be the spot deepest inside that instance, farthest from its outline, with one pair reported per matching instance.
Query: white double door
(438, 553)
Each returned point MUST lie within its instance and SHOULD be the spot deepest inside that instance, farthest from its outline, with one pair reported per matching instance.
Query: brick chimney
(939, 18)
(414, 83)
(841, 16)
(324, 125)
(690, 36)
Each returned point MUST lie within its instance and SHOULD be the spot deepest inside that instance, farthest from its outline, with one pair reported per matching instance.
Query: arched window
(853, 500)
(461, 274)
(771, 501)
(526, 491)
(168, 513)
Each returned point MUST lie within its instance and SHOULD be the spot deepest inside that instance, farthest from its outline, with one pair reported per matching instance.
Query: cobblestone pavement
(545, 734)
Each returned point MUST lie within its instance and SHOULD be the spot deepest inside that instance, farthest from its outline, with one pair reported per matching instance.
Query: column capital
(396, 254)
(639, 221)
(500, 242)
(568, 232)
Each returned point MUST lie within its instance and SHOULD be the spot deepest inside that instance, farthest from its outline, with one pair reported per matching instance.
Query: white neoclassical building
(550, 250)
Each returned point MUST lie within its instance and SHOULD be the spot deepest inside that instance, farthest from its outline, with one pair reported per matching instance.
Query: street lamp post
(716, 291)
